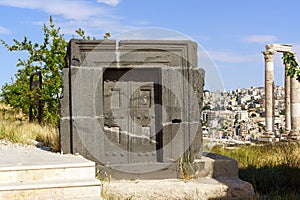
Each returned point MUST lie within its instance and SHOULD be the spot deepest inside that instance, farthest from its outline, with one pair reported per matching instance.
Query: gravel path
(14, 155)
(7, 145)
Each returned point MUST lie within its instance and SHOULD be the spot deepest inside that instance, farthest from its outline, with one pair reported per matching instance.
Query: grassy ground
(14, 126)
(273, 169)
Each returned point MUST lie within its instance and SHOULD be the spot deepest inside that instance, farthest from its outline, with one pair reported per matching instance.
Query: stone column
(269, 95)
(295, 109)
(287, 95)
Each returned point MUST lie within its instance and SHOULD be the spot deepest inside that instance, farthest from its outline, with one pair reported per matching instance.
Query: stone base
(195, 189)
(268, 138)
(284, 136)
(151, 170)
(217, 179)
(293, 137)
(139, 171)
(210, 165)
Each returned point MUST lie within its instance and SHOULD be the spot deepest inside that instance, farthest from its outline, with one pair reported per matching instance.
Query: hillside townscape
(240, 114)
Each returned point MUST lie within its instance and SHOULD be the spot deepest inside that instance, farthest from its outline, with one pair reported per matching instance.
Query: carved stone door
(116, 126)
(130, 118)
(142, 114)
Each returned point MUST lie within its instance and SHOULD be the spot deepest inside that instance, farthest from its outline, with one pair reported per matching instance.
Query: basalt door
(131, 116)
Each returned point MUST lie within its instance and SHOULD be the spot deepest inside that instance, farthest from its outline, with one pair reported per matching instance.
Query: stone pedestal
(218, 180)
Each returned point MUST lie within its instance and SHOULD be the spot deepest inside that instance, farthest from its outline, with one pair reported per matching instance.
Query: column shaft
(295, 109)
(269, 92)
(287, 93)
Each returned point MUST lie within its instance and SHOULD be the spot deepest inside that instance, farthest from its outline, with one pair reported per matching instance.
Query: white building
(242, 115)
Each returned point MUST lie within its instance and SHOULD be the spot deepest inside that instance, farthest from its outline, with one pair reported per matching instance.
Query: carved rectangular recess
(115, 130)
(145, 98)
(116, 98)
(146, 133)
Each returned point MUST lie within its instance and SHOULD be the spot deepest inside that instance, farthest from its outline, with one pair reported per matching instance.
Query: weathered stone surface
(135, 102)
(65, 140)
(295, 109)
(86, 53)
(198, 189)
(222, 166)
(27, 172)
(65, 100)
(217, 179)
(177, 53)
(279, 47)
(269, 93)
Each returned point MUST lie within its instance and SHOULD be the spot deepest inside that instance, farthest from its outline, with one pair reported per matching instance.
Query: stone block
(131, 104)
(65, 135)
(196, 84)
(223, 166)
(65, 99)
(178, 53)
(196, 140)
(86, 92)
(87, 139)
(91, 53)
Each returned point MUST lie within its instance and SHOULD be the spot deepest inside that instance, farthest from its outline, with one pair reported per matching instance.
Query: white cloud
(95, 27)
(261, 39)
(109, 2)
(69, 9)
(4, 30)
(230, 57)
(90, 16)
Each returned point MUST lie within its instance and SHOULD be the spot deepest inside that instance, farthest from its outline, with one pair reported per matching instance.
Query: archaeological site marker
(133, 106)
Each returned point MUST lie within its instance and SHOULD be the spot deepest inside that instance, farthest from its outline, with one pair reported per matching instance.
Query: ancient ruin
(133, 106)
(292, 96)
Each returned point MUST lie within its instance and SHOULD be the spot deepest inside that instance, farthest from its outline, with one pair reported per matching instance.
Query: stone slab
(210, 165)
(202, 188)
(140, 171)
(35, 158)
(279, 47)
(58, 189)
(27, 172)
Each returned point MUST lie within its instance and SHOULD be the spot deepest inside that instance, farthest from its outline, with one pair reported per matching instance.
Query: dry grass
(8, 113)
(14, 126)
(273, 169)
(272, 155)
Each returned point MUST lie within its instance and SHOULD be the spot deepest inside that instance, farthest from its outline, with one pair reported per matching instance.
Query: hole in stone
(176, 121)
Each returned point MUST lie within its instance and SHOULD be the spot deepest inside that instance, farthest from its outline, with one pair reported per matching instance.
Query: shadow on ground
(279, 182)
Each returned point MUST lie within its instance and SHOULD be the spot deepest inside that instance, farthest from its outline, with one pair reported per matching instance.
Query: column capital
(269, 55)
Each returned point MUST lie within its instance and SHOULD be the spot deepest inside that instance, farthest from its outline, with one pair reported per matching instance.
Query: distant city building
(240, 112)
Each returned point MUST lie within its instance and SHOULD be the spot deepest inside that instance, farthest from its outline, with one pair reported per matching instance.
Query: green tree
(48, 58)
(293, 66)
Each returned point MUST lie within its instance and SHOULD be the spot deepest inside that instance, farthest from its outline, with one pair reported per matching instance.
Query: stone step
(57, 167)
(31, 173)
(173, 189)
(82, 188)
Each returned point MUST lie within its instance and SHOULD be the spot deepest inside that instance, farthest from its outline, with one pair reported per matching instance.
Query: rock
(196, 189)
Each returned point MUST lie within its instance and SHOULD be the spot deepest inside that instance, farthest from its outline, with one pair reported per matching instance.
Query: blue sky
(233, 32)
